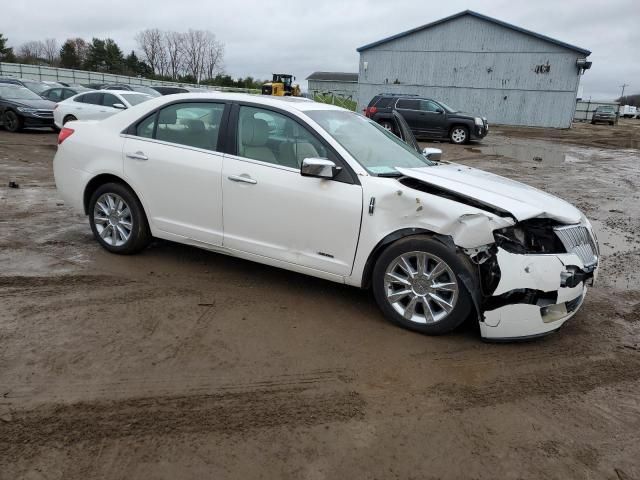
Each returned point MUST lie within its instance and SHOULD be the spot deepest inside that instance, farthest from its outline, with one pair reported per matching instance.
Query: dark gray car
(604, 114)
(20, 107)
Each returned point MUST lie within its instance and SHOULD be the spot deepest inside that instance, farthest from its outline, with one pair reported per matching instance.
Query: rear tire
(12, 122)
(459, 135)
(387, 126)
(415, 299)
(68, 118)
(117, 219)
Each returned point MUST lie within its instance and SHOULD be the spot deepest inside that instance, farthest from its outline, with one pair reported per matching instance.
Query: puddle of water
(527, 153)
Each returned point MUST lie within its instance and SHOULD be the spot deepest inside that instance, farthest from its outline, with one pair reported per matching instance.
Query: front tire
(12, 122)
(459, 135)
(117, 219)
(416, 284)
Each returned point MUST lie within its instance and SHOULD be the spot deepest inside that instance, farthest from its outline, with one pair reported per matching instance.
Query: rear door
(173, 160)
(90, 107)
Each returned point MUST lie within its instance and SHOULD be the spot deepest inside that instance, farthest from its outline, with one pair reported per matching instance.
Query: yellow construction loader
(281, 85)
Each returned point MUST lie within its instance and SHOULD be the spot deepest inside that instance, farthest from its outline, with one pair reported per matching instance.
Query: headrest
(255, 132)
(195, 125)
(168, 116)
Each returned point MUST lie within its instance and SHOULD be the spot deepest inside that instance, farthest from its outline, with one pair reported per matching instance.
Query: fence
(66, 75)
(585, 109)
(341, 101)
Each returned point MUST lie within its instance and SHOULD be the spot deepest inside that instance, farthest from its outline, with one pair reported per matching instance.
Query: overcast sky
(302, 36)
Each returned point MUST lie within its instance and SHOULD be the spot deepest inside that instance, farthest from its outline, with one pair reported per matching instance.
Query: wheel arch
(391, 238)
(100, 180)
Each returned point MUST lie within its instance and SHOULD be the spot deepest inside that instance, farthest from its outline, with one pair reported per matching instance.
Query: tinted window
(274, 138)
(146, 126)
(93, 98)
(429, 106)
(109, 100)
(385, 102)
(408, 104)
(191, 124)
(55, 95)
(66, 93)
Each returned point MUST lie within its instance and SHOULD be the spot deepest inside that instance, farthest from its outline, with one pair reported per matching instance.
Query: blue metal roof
(482, 17)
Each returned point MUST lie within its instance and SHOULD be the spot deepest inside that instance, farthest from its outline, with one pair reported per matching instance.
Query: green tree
(69, 57)
(6, 53)
(113, 56)
(96, 56)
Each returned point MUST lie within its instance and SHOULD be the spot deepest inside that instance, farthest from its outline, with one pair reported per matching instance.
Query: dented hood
(520, 200)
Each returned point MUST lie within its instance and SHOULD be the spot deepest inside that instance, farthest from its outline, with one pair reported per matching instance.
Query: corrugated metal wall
(347, 89)
(480, 67)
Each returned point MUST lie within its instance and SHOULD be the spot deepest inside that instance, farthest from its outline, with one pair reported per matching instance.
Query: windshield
(135, 98)
(605, 109)
(17, 93)
(376, 149)
(36, 86)
(447, 107)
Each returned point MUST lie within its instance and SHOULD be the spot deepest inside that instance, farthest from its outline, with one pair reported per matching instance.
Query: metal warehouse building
(333, 83)
(479, 65)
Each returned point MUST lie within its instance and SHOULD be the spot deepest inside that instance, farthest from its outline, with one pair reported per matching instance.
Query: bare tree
(173, 44)
(30, 52)
(152, 47)
(214, 55)
(194, 47)
(51, 51)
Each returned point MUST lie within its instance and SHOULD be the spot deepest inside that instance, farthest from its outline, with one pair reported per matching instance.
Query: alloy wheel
(113, 220)
(421, 287)
(459, 135)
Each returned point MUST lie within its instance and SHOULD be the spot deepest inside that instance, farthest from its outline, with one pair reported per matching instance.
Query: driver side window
(274, 138)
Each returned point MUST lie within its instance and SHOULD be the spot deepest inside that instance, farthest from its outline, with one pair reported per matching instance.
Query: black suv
(427, 118)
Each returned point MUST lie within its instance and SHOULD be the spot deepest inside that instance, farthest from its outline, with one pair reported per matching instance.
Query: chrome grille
(44, 113)
(577, 239)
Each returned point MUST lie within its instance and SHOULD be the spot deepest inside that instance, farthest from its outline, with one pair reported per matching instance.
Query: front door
(272, 211)
(172, 162)
(433, 118)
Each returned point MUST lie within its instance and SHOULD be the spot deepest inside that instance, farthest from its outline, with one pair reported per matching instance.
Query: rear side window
(145, 127)
(408, 104)
(94, 98)
(384, 102)
(193, 124)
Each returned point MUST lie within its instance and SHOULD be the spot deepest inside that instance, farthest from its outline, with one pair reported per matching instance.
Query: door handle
(242, 179)
(137, 156)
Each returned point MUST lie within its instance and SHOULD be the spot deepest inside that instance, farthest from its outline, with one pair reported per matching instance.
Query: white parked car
(96, 105)
(323, 191)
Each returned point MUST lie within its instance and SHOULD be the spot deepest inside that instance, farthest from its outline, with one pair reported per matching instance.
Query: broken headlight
(530, 236)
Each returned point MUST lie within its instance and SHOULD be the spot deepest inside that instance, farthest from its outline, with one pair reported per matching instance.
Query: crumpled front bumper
(545, 278)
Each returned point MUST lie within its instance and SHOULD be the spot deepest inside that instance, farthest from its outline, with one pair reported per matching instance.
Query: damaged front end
(534, 277)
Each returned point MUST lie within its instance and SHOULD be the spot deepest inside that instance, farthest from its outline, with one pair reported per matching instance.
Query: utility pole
(623, 87)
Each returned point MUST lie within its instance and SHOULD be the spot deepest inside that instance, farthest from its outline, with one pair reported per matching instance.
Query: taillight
(370, 111)
(64, 134)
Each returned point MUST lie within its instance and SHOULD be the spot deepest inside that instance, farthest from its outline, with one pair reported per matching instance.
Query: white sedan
(323, 191)
(96, 105)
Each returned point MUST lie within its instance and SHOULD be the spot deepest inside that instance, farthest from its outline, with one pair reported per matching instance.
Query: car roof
(287, 103)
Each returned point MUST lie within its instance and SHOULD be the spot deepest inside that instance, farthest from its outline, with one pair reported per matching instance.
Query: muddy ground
(180, 363)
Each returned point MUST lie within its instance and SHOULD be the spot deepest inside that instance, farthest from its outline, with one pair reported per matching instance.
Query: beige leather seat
(254, 135)
(292, 152)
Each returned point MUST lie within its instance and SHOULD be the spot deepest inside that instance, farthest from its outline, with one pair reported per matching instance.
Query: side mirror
(439, 110)
(319, 168)
(434, 154)
(120, 106)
